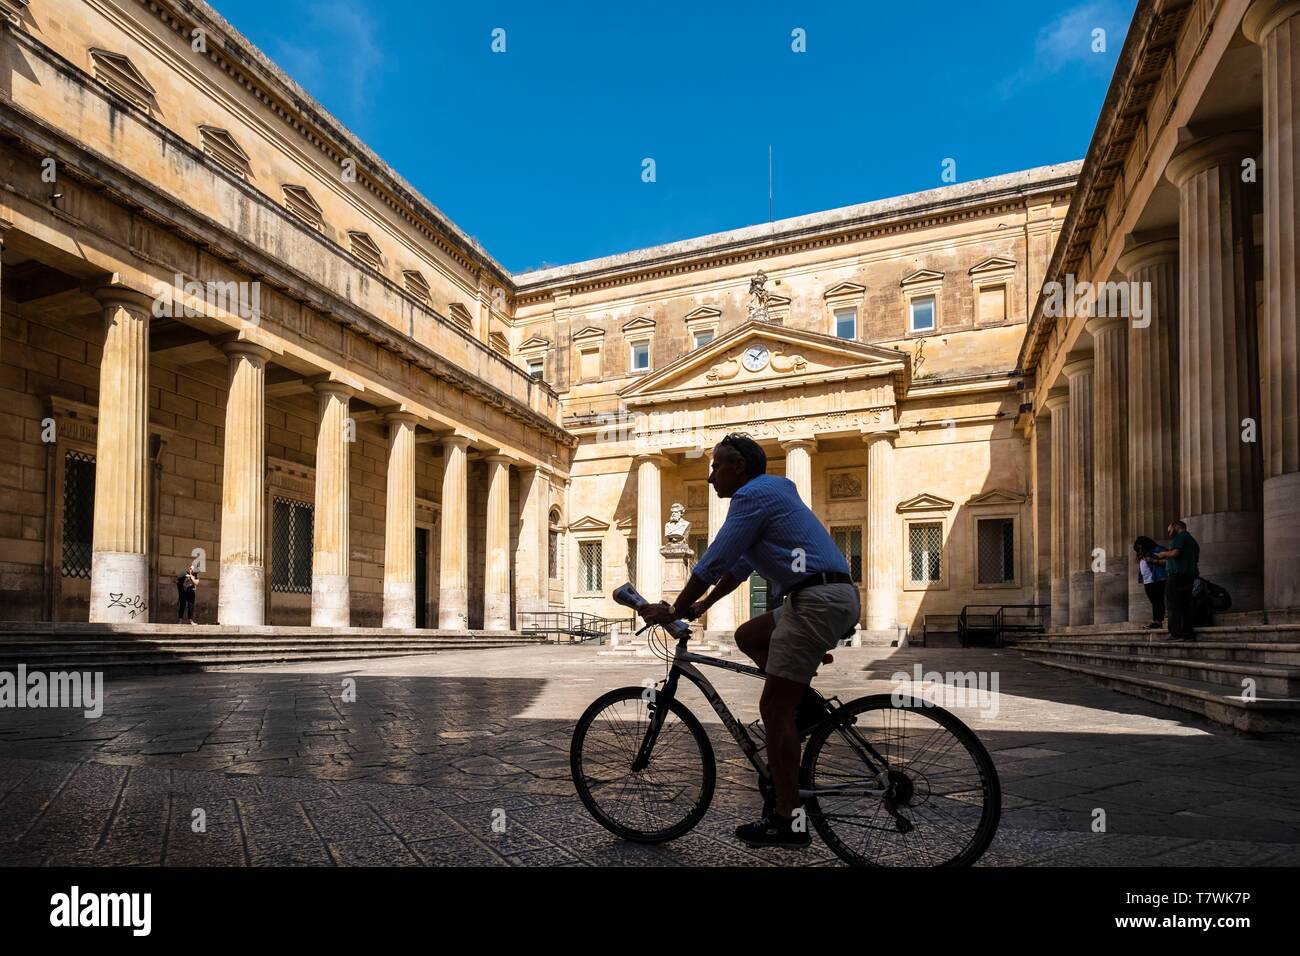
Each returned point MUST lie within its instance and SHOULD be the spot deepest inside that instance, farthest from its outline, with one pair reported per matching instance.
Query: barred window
(849, 541)
(996, 539)
(553, 554)
(925, 548)
(78, 513)
(631, 561)
(589, 561)
(291, 544)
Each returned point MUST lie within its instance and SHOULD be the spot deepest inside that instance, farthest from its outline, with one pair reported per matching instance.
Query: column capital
(658, 461)
(1222, 149)
(1078, 367)
(499, 460)
(234, 347)
(870, 437)
(1146, 253)
(1264, 16)
(808, 443)
(1100, 323)
(454, 440)
(118, 293)
(402, 417)
(1055, 401)
(328, 384)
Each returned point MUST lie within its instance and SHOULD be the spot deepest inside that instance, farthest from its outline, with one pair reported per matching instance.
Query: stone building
(232, 334)
(1166, 384)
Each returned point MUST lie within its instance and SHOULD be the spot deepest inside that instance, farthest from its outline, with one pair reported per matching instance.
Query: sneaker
(773, 831)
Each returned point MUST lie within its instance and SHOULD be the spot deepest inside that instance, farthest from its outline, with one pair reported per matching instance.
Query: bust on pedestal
(677, 553)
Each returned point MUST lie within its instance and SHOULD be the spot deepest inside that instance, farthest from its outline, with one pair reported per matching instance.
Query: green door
(760, 596)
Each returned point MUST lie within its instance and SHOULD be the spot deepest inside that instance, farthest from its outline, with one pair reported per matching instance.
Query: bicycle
(644, 767)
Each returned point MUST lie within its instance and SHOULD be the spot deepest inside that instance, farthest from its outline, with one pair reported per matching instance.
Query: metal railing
(573, 627)
(989, 623)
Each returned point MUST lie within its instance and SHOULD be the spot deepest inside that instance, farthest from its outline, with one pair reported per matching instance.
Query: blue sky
(538, 152)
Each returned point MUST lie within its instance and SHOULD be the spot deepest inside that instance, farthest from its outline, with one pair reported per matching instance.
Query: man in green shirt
(1180, 560)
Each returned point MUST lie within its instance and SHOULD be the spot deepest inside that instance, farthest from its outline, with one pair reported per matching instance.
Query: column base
(1081, 597)
(241, 595)
(119, 587)
(1282, 541)
(453, 609)
(329, 600)
(399, 604)
(1232, 545)
(1060, 602)
(496, 612)
(1139, 605)
(1110, 594)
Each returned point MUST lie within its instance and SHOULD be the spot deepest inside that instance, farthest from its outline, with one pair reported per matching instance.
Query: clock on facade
(755, 357)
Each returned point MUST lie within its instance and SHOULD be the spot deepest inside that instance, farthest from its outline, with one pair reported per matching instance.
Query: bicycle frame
(684, 662)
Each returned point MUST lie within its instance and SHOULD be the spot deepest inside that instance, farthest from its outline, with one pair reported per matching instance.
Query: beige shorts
(808, 624)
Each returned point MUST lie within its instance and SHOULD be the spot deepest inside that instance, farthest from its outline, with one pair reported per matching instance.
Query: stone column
(242, 590)
(399, 523)
(649, 528)
(496, 574)
(331, 548)
(798, 466)
(453, 568)
(1222, 482)
(1059, 408)
(1110, 468)
(530, 553)
(722, 616)
(1080, 521)
(881, 557)
(119, 564)
(1152, 404)
(1275, 26)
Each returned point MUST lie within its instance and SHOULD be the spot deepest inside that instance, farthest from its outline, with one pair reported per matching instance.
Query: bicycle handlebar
(628, 596)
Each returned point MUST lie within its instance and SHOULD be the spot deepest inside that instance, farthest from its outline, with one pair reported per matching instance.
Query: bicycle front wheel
(937, 805)
(654, 804)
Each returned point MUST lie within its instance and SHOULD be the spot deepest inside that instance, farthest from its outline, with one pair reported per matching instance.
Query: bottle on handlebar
(628, 596)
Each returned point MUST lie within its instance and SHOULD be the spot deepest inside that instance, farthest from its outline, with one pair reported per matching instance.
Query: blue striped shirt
(770, 530)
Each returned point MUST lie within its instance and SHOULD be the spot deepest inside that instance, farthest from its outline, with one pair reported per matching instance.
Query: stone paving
(434, 748)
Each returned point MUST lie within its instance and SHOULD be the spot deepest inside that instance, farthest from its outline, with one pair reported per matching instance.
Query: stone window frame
(590, 339)
(925, 509)
(991, 273)
(283, 479)
(861, 528)
(416, 285)
(461, 315)
(534, 349)
(1000, 506)
(555, 558)
(119, 74)
(702, 320)
(842, 296)
(220, 146)
(640, 331)
(299, 201)
(499, 343)
(365, 248)
(588, 530)
(582, 541)
(923, 283)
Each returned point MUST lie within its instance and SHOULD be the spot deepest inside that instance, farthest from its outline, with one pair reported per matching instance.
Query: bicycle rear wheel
(943, 799)
(667, 797)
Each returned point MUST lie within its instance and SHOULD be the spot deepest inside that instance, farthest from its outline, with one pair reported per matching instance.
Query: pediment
(590, 332)
(460, 314)
(993, 264)
(535, 342)
(845, 290)
(703, 312)
(640, 324)
(925, 502)
(790, 357)
(998, 496)
(588, 523)
(922, 275)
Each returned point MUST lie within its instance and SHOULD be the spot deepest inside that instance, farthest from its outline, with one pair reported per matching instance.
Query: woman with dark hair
(1151, 572)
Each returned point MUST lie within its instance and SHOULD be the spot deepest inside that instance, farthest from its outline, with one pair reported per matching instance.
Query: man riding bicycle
(770, 530)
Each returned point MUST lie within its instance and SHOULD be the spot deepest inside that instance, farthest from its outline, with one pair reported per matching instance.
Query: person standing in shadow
(1151, 573)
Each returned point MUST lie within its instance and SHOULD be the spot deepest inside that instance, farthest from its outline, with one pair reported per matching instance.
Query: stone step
(1241, 652)
(11, 647)
(1270, 679)
(1248, 633)
(1260, 715)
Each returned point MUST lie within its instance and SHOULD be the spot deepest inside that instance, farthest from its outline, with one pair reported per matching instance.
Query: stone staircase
(1244, 675)
(170, 647)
